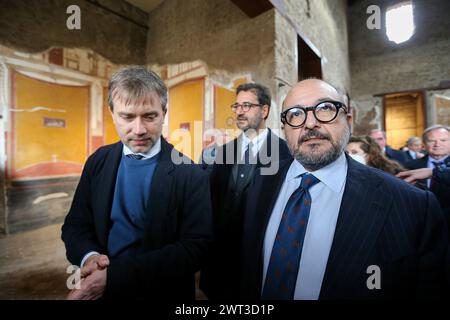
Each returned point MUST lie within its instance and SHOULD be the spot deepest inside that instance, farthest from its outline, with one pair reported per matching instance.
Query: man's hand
(95, 262)
(92, 287)
(93, 279)
(413, 175)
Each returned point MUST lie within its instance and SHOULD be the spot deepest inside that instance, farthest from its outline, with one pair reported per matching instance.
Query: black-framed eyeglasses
(325, 111)
(244, 106)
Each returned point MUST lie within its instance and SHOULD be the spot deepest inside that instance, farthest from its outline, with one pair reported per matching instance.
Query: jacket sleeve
(433, 246)
(78, 231)
(174, 262)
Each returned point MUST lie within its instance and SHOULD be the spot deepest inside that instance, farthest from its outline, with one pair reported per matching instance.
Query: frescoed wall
(49, 128)
(52, 120)
(109, 130)
(186, 116)
(223, 99)
(55, 114)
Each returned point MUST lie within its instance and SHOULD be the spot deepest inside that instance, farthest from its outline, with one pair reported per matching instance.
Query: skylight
(400, 22)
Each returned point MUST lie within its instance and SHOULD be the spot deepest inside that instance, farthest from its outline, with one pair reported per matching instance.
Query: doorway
(404, 117)
(309, 63)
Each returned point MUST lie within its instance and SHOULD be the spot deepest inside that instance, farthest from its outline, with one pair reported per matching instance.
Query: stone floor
(33, 265)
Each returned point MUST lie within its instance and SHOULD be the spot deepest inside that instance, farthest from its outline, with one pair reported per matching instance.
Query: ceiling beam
(253, 8)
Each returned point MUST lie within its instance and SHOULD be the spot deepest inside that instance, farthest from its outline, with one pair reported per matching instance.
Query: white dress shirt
(153, 151)
(326, 197)
(257, 142)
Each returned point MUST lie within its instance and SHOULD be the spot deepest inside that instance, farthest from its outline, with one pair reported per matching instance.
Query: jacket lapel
(263, 156)
(361, 218)
(160, 190)
(267, 198)
(105, 192)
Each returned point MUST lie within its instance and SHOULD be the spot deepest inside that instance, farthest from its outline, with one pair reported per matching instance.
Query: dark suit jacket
(408, 156)
(396, 155)
(177, 232)
(382, 221)
(220, 276)
(439, 187)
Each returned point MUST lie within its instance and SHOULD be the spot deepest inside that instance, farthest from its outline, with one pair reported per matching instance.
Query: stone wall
(114, 29)
(381, 66)
(216, 32)
(324, 24)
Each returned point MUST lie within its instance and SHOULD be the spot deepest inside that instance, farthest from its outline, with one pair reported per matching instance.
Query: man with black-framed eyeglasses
(328, 227)
(235, 165)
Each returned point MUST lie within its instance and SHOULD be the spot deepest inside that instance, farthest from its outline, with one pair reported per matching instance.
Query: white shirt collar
(154, 150)
(332, 175)
(257, 141)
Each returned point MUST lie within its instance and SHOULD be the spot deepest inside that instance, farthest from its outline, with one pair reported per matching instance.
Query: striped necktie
(135, 156)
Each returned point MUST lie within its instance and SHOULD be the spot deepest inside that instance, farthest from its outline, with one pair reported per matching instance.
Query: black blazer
(177, 232)
(382, 221)
(408, 156)
(439, 187)
(396, 155)
(418, 163)
(220, 276)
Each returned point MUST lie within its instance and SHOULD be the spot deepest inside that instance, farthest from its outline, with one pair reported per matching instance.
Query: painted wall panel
(186, 112)
(48, 142)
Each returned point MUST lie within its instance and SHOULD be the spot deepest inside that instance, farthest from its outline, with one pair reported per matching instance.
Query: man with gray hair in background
(414, 145)
(437, 145)
(380, 137)
(139, 225)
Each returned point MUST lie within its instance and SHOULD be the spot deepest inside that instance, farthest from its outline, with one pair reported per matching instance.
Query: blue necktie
(135, 156)
(282, 272)
(437, 163)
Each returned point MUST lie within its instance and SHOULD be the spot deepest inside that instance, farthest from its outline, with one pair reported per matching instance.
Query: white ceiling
(145, 5)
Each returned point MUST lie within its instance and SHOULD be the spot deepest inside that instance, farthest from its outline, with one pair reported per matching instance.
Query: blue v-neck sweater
(130, 203)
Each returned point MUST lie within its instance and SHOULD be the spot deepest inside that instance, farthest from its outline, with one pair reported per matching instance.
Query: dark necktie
(437, 163)
(135, 156)
(247, 153)
(244, 169)
(282, 272)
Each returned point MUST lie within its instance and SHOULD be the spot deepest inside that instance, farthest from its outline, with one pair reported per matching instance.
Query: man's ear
(349, 119)
(111, 112)
(266, 110)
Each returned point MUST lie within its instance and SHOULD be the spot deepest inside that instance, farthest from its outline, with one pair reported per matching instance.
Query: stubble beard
(311, 159)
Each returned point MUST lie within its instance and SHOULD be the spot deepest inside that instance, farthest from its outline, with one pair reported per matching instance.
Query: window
(400, 22)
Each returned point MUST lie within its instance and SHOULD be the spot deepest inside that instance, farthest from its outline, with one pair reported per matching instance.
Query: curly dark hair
(375, 157)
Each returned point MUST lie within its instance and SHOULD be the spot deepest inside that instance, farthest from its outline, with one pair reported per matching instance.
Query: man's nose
(138, 127)
(311, 121)
(239, 111)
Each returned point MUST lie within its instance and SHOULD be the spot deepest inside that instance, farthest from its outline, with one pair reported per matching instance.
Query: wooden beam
(253, 8)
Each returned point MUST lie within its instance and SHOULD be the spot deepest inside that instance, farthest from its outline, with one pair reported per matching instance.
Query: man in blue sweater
(140, 224)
